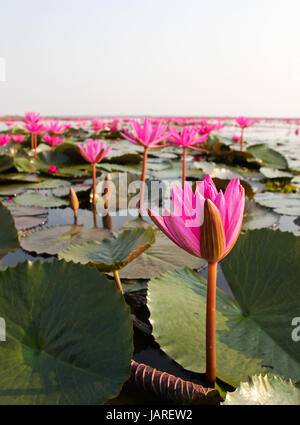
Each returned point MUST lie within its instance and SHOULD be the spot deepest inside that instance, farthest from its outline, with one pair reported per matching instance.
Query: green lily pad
(268, 156)
(256, 217)
(65, 344)
(20, 177)
(6, 163)
(111, 254)
(264, 390)
(161, 257)
(36, 199)
(52, 239)
(281, 203)
(24, 165)
(109, 167)
(254, 330)
(9, 238)
(27, 218)
(18, 188)
(271, 173)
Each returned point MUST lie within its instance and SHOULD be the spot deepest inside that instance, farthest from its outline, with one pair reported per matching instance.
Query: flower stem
(94, 184)
(183, 166)
(118, 280)
(242, 140)
(35, 145)
(143, 178)
(211, 323)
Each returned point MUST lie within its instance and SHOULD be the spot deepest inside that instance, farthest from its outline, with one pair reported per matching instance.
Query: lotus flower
(18, 138)
(9, 123)
(148, 137)
(4, 139)
(53, 140)
(186, 139)
(93, 152)
(32, 117)
(52, 169)
(243, 123)
(54, 128)
(97, 125)
(205, 224)
(183, 225)
(206, 128)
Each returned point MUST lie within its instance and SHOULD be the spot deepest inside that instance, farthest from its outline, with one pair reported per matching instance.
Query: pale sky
(150, 57)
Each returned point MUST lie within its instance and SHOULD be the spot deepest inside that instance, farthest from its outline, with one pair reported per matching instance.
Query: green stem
(183, 167)
(211, 323)
(143, 179)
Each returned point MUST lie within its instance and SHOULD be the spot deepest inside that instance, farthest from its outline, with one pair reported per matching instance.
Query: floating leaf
(52, 239)
(281, 203)
(264, 390)
(111, 254)
(256, 217)
(26, 218)
(161, 257)
(65, 344)
(9, 237)
(253, 331)
(35, 199)
(271, 173)
(268, 156)
(6, 163)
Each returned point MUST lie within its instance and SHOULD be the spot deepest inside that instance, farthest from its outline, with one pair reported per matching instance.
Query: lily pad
(161, 257)
(268, 156)
(111, 254)
(65, 344)
(281, 203)
(6, 163)
(254, 330)
(36, 199)
(27, 218)
(271, 173)
(256, 217)
(9, 238)
(264, 390)
(52, 239)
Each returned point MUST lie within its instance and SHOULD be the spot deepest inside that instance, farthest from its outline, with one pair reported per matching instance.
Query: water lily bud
(212, 235)
(74, 200)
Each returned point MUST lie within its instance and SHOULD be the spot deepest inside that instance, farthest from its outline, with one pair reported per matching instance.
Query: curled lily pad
(6, 163)
(254, 329)
(268, 156)
(264, 390)
(65, 344)
(9, 237)
(111, 254)
(281, 203)
(52, 239)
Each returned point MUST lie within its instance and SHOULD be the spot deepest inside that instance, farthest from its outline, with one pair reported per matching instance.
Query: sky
(150, 57)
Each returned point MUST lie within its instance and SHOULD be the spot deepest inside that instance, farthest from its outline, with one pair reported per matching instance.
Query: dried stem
(118, 281)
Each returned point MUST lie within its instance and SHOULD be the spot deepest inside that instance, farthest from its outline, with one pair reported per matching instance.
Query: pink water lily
(4, 139)
(149, 135)
(97, 125)
(32, 117)
(187, 138)
(18, 138)
(53, 140)
(94, 151)
(243, 123)
(146, 135)
(52, 169)
(183, 225)
(54, 128)
(9, 123)
(205, 224)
